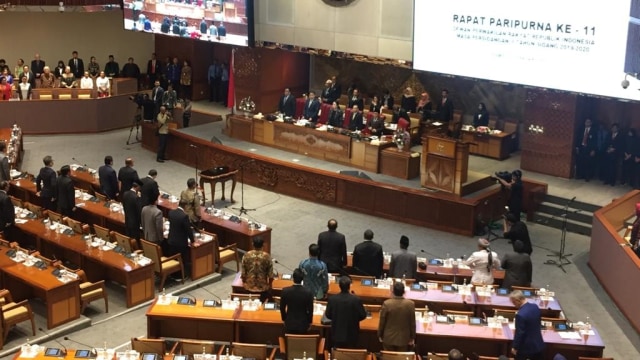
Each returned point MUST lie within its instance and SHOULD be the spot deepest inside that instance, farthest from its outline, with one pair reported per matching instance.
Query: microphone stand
(242, 209)
(204, 197)
(562, 257)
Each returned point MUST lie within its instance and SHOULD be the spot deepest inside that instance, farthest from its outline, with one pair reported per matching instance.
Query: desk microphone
(93, 349)
(210, 293)
(430, 254)
(191, 299)
(64, 348)
(193, 146)
(76, 160)
(283, 265)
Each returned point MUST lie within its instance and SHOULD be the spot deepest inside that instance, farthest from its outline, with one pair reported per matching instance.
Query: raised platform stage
(455, 214)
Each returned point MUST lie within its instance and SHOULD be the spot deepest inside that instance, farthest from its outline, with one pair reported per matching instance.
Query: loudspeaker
(354, 173)
(215, 140)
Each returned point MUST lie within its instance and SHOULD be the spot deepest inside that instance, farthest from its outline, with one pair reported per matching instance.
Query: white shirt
(86, 83)
(478, 262)
(102, 83)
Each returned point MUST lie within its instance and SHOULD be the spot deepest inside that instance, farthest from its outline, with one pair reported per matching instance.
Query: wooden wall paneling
(279, 70)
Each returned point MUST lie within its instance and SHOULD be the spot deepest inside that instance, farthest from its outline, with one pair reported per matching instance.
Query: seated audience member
(5, 89)
(481, 117)
(86, 82)
(424, 104)
(482, 263)
(403, 262)
(456, 354)
(514, 229)
(408, 101)
(257, 270)
(311, 107)
(59, 70)
(375, 105)
(376, 126)
(24, 89)
(336, 116)
(517, 266)
(103, 85)
(9, 77)
(316, 275)
(296, 306)
(356, 100)
(47, 79)
(67, 80)
(357, 121)
(287, 104)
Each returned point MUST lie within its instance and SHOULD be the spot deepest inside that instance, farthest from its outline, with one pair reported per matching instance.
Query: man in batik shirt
(257, 271)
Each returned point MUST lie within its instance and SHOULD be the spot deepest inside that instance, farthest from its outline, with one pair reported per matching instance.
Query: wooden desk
(441, 338)
(97, 264)
(26, 282)
(191, 322)
(497, 146)
(400, 164)
(13, 138)
(220, 178)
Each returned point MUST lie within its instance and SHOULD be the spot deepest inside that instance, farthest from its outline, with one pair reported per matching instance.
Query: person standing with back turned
(333, 247)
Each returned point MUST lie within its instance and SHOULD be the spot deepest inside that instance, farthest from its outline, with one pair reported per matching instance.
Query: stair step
(556, 222)
(575, 204)
(557, 211)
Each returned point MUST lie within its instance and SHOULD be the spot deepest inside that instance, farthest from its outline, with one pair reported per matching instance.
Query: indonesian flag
(231, 94)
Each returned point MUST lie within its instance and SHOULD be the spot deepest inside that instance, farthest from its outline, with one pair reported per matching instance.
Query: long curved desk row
(264, 326)
(613, 262)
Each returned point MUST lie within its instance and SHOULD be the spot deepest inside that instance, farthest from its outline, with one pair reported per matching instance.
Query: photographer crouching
(513, 182)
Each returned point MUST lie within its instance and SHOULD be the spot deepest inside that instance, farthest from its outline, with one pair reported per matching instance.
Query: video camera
(139, 99)
(504, 175)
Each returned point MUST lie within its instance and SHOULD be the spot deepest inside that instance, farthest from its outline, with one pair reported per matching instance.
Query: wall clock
(339, 3)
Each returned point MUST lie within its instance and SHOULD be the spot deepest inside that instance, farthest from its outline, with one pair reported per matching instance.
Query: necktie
(285, 99)
(75, 63)
(585, 137)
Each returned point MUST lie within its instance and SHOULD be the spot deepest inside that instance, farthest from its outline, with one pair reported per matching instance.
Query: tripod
(137, 118)
(562, 257)
(242, 209)
(491, 223)
(204, 198)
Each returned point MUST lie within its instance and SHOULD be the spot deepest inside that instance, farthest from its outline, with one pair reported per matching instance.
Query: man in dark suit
(527, 340)
(127, 175)
(31, 78)
(326, 93)
(445, 107)
(108, 179)
(7, 211)
(387, 100)
(336, 116)
(152, 223)
(613, 150)
(5, 169)
(368, 257)
(65, 192)
(345, 311)
(397, 326)
(517, 266)
(586, 146)
(514, 229)
(76, 65)
(156, 96)
(132, 209)
(357, 120)
(333, 247)
(296, 306)
(154, 70)
(311, 107)
(356, 100)
(37, 66)
(180, 234)
(287, 104)
(150, 190)
(46, 184)
(403, 262)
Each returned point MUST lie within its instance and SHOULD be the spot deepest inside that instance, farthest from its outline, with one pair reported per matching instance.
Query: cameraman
(515, 185)
(514, 230)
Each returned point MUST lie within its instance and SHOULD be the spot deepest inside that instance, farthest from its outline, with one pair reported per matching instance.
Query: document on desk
(570, 335)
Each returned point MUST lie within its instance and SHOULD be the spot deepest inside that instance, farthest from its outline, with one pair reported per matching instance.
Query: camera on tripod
(139, 99)
(504, 175)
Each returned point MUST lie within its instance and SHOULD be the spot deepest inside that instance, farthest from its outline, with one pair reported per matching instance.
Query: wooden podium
(445, 162)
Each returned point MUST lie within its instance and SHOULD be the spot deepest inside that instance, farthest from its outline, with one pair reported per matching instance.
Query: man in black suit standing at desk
(108, 179)
(76, 65)
(180, 235)
(287, 104)
(345, 311)
(127, 175)
(7, 211)
(296, 306)
(445, 107)
(150, 190)
(333, 248)
(132, 210)
(368, 257)
(311, 107)
(357, 120)
(65, 191)
(46, 184)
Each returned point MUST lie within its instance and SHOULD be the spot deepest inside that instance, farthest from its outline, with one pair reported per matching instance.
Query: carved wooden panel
(440, 173)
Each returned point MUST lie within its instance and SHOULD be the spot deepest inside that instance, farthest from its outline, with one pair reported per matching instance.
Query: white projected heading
(575, 45)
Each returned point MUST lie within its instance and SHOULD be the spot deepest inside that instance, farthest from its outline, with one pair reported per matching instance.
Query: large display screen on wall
(585, 46)
(223, 21)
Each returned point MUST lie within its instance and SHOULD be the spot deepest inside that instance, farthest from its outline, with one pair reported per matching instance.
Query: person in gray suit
(517, 266)
(403, 261)
(397, 326)
(152, 223)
